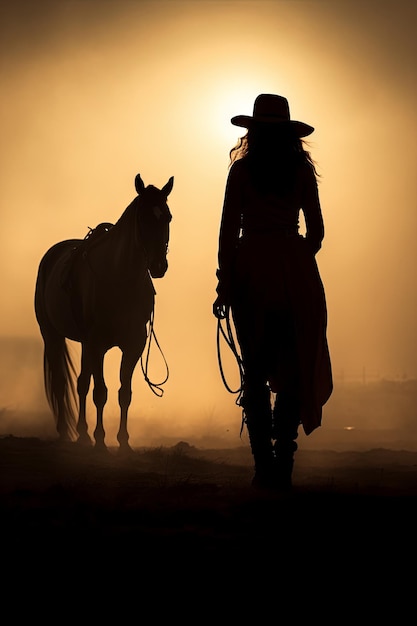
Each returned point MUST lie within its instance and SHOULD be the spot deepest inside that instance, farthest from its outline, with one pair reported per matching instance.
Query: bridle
(156, 388)
(161, 219)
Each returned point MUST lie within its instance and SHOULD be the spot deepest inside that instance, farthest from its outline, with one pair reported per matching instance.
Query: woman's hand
(220, 308)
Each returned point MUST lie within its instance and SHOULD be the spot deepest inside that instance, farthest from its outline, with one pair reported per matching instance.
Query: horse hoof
(84, 441)
(125, 450)
(101, 448)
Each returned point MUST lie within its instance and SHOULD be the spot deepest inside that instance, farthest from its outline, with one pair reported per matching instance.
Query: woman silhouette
(269, 280)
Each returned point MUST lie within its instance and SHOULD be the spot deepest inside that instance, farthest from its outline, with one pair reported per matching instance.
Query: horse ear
(139, 184)
(166, 189)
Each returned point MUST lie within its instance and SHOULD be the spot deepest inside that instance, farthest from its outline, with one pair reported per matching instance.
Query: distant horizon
(361, 375)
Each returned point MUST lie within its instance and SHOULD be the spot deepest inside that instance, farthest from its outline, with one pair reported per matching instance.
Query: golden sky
(94, 92)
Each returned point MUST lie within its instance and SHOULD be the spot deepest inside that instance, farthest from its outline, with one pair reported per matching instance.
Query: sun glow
(90, 99)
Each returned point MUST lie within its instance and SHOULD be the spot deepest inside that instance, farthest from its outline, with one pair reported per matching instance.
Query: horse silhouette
(98, 291)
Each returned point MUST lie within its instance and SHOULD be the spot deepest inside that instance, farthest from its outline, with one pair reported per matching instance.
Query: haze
(95, 92)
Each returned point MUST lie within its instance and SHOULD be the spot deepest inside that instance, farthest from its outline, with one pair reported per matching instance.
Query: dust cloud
(94, 93)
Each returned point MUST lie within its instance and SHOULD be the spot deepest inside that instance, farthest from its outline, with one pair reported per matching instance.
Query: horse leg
(127, 367)
(83, 386)
(99, 399)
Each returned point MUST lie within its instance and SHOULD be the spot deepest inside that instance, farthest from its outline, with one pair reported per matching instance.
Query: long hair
(274, 153)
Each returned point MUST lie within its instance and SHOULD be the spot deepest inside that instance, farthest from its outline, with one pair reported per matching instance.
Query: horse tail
(60, 386)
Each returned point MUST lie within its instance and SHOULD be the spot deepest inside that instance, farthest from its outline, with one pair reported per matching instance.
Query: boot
(257, 415)
(285, 432)
(264, 476)
(283, 464)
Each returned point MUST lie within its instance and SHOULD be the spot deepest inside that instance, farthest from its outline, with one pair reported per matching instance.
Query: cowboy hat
(272, 109)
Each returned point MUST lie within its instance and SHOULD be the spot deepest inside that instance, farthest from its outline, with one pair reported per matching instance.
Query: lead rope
(230, 341)
(156, 388)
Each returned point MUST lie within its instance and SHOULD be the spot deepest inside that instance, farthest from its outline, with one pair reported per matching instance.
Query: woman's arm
(228, 238)
(312, 211)
(230, 225)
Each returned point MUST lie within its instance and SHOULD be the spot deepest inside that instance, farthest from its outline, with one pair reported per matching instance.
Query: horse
(98, 291)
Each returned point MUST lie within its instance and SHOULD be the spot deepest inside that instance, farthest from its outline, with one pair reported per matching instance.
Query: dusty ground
(179, 533)
(183, 503)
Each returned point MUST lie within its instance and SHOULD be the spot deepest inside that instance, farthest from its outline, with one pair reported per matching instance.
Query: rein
(156, 388)
(227, 335)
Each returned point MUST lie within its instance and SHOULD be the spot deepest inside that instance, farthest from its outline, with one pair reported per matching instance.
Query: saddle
(82, 249)
(94, 234)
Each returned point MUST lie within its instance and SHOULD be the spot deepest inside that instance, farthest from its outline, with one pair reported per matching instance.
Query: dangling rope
(156, 388)
(229, 339)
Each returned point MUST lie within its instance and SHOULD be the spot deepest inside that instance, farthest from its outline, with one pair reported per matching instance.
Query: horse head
(154, 220)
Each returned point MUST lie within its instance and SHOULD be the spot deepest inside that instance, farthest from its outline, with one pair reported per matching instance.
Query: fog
(95, 92)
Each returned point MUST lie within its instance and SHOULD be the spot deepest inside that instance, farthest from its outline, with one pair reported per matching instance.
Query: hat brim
(246, 121)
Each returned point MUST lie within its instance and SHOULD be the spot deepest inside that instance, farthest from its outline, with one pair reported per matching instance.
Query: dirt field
(182, 496)
(185, 522)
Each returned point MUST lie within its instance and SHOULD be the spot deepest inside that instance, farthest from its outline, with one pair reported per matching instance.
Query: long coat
(270, 273)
